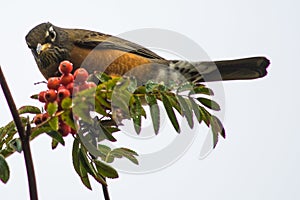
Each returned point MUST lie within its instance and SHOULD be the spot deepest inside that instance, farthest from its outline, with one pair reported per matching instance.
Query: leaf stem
(24, 136)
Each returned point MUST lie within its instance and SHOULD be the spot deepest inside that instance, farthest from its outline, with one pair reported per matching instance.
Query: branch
(24, 136)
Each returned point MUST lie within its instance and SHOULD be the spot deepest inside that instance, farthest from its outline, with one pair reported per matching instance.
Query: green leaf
(217, 126)
(2, 134)
(121, 100)
(53, 122)
(170, 112)
(112, 83)
(127, 153)
(56, 136)
(137, 123)
(102, 77)
(201, 89)
(29, 109)
(209, 103)
(215, 129)
(108, 135)
(205, 115)
(75, 156)
(100, 109)
(120, 103)
(110, 130)
(215, 138)
(132, 85)
(4, 170)
(54, 144)
(85, 162)
(151, 86)
(105, 150)
(52, 108)
(196, 110)
(106, 170)
(140, 90)
(174, 102)
(84, 176)
(8, 132)
(35, 96)
(186, 107)
(99, 178)
(67, 117)
(154, 111)
(16, 144)
(117, 153)
(9, 129)
(109, 158)
(213, 122)
(66, 103)
(122, 84)
(187, 86)
(85, 140)
(82, 110)
(102, 101)
(136, 112)
(39, 130)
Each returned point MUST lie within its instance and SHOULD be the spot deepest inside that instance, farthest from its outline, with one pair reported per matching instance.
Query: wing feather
(102, 41)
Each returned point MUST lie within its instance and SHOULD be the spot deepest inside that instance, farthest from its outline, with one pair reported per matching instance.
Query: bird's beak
(41, 47)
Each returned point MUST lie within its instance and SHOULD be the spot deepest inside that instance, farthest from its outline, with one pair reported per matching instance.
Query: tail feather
(239, 69)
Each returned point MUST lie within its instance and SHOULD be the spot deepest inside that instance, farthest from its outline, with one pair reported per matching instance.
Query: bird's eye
(51, 34)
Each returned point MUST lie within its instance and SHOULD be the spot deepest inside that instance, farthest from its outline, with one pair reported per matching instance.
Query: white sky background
(260, 157)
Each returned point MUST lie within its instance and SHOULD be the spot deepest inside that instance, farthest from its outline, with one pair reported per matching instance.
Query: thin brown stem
(105, 191)
(24, 136)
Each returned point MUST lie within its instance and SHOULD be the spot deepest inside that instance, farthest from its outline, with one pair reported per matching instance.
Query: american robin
(115, 56)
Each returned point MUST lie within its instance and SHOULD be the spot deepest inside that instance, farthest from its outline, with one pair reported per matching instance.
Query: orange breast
(110, 61)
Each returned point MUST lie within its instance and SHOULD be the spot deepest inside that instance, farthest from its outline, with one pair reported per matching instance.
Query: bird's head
(46, 42)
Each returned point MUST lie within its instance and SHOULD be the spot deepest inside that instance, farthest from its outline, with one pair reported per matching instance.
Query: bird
(99, 52)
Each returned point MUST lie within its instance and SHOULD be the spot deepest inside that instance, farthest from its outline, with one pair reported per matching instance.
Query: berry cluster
(59, 88)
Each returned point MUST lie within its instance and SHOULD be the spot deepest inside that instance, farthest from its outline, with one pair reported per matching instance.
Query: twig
(104, 187)
(105, 191)
(24, 136)
(40, 82)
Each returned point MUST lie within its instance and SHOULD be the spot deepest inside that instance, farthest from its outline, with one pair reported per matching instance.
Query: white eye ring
(51, 33)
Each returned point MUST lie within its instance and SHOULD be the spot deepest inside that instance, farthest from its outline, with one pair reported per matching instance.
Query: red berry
(65, 67)
(45, 116)
(38, 119)
(53, 83)
(84, 86)
(64, 129)
(61, 87)
(46, 106)
(50, 95)
(73, 131)
(92, 84)
(75, 90)
(65, 79)
(81, 75)
(70, 87)
(42, 96)
(63, 93)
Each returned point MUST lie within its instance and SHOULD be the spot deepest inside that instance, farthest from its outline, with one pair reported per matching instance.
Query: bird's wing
(102, 41)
